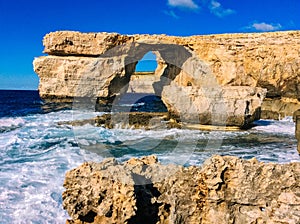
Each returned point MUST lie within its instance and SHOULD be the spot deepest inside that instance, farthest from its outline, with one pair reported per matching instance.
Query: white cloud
(265, 26)
(217, 9)
(183, 4)
(214, 6)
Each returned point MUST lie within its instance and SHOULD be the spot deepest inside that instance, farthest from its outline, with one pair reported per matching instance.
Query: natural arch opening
(141, 94)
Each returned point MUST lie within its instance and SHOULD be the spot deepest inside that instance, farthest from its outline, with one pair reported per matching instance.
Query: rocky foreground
(224, 190)
(212, 79)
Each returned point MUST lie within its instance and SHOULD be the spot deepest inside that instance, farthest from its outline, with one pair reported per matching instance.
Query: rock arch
(187, 86)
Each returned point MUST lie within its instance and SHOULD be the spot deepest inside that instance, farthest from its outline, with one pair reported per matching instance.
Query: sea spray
(36, 153)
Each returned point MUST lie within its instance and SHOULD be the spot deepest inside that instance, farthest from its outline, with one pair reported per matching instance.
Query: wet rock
(224, 190)
(144, 120)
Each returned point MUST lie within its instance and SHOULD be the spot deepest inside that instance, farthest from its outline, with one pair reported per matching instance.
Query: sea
(38, 146)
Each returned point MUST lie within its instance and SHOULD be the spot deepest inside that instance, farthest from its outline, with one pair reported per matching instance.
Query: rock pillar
(296, 118)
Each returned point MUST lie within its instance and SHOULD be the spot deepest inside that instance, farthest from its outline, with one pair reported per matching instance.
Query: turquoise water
(36, 151)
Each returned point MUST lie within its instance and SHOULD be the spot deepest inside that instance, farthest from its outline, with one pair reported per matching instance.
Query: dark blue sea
(36, 149)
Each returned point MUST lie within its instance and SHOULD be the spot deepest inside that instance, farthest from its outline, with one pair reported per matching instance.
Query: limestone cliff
(224, 190)
(100, 65)
(269, 60)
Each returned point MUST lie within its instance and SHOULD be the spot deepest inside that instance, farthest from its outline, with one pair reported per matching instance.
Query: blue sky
(23, 24)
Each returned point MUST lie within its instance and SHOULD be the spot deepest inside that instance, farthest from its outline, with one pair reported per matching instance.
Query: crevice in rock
(102, 195)
(89, 217)
(147, 212)
(110, 212)
(247, 116)
(247, 108)
(223, 178)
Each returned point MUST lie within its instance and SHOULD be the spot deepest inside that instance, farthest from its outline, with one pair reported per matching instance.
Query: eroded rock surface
(224, 190)
(269, 60)
(279, 108)
(233, 105)
(100, 66)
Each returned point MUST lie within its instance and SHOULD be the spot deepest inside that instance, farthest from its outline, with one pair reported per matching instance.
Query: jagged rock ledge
(224, 190)
(145, 120)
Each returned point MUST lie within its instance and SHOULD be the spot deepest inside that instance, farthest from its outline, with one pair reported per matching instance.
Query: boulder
(220, 106)
(224, 190)
(69, 77)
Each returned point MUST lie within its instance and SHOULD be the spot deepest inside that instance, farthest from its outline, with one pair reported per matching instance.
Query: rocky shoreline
(222, 80)
(147, 121)
(224, 190)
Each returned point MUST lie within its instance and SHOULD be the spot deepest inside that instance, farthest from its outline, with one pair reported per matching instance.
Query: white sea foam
(133, 104)
(285, 126)
(36, 155)
(8, 122)
(34, 160)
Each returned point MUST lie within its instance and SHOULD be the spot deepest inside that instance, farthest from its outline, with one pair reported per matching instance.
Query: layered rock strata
(100, 65)
(269, 60)
(224, 190)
